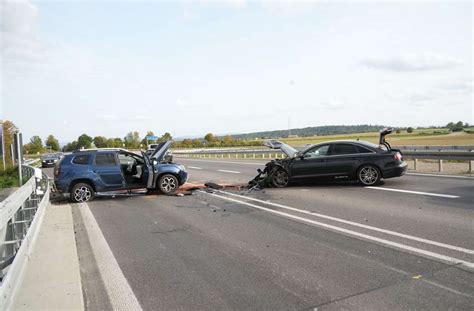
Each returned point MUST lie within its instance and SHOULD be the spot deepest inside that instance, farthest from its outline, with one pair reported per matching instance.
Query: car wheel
(168, 183)
(82, 192)
(368, 175)
(280, 178)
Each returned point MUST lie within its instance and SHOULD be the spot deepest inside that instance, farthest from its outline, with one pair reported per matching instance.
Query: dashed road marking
(229, 162)
(227, 171)
(450, 196)
(195, 167)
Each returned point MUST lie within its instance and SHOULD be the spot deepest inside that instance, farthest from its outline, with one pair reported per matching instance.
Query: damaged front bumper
(265, 177)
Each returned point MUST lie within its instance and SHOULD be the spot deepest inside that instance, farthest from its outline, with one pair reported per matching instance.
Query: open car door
(151, 171)
(158, 154)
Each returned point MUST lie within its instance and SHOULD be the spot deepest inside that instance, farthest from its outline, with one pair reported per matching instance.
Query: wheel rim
(281, 178)
(82, 194)
(368, 175)
(168, 184)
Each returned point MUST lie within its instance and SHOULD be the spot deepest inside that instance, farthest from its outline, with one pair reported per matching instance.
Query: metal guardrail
(461, 153)
(259, 150)
(21, 215)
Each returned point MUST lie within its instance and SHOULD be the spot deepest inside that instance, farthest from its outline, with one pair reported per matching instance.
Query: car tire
(368, 175)
(168, 183)
(280, 178)
(82, 192)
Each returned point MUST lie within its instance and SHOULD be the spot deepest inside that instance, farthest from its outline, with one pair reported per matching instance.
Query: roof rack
(100, 149)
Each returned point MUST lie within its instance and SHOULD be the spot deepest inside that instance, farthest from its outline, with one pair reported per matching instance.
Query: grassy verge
(8, 178)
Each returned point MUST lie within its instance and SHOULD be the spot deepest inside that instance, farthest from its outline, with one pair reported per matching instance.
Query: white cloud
(19, 41)
(333, 104)
(412, 62)
(459, 86)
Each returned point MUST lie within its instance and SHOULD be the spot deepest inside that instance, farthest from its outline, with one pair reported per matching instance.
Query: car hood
(286, 149)
(160, 151)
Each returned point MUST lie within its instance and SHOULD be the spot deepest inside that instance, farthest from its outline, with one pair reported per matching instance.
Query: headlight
(182, 167)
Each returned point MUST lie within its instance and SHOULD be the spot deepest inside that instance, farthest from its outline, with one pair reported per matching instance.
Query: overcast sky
(109, 67)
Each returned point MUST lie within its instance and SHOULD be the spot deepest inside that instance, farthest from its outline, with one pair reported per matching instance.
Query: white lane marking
(226, 171)
(230, 162)
(356, 224)
(439, 175)
(355, 234)
(415, 192)
(119, 291)
(195, 167)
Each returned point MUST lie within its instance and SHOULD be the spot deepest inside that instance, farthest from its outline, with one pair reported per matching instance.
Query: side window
(339, 149)
(361, 149)
(105, 159)
(316, 152)
(124, 159)
(81, 159)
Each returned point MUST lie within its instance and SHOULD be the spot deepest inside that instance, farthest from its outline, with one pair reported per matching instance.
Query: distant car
(151, 148)
(334, 160)
(85, 172)
(50, 159)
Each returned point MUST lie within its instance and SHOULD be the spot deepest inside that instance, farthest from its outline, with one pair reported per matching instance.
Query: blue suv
(85, 172)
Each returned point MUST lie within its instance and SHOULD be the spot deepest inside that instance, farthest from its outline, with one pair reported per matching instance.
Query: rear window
(105, 159)
(81, 159)
(364, 150)
(343, 149)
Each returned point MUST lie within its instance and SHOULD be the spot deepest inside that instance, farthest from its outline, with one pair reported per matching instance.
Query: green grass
(9, 177)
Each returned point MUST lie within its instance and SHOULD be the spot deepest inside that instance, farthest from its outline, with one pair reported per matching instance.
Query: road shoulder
(52, 279)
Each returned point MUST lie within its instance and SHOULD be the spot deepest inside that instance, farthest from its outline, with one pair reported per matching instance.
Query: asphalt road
(406, 245)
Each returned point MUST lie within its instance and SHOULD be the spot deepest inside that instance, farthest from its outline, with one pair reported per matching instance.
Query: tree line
(133, 140)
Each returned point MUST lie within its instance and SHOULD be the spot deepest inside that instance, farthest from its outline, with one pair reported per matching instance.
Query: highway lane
(201, 252)
(232, 252)
(450, 220)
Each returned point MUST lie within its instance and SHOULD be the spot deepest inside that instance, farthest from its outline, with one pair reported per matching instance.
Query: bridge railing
(21, 215)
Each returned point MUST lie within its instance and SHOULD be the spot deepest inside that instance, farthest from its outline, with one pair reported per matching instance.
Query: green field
(418, 137)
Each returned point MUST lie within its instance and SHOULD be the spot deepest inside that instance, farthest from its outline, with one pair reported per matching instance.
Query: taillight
(398, 156)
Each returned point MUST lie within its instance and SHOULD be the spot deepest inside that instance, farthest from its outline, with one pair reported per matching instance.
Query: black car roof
(357, 142)
(83, 151)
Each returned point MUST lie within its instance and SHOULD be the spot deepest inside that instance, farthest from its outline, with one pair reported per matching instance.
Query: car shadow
(348, 183)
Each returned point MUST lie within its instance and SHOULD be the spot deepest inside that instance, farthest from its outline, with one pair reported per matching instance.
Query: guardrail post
(440, 165)
(471, 164)
(415, 163)
(253, 155)
(245, 156)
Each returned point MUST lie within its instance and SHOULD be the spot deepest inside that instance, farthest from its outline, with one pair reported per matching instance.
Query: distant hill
(312, 131)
